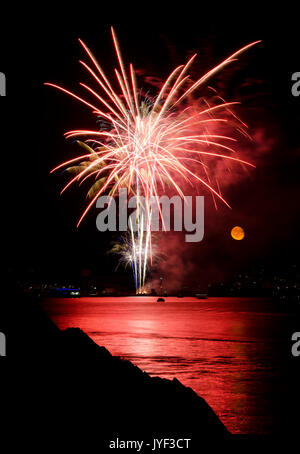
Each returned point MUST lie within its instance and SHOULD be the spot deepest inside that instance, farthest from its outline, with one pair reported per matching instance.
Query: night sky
(41, 225)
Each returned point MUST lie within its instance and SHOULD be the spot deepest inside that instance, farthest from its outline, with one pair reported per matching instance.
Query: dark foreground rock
(62, 384)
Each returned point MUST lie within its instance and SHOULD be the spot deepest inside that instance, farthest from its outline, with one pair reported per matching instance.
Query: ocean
(231, 351)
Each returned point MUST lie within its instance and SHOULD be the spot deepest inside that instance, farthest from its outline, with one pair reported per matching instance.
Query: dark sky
(41, 225)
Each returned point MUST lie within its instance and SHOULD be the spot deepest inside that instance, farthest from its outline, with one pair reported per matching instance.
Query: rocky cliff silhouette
(63, 383)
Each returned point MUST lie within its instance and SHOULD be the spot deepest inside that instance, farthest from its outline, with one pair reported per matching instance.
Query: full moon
(237, 233)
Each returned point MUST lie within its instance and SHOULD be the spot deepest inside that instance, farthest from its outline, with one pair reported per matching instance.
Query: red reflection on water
(219, 347)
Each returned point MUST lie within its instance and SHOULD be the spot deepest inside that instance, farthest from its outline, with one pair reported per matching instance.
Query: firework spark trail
(148, 146)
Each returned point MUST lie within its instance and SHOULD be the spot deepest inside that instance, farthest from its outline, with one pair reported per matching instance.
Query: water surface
(228, 350)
